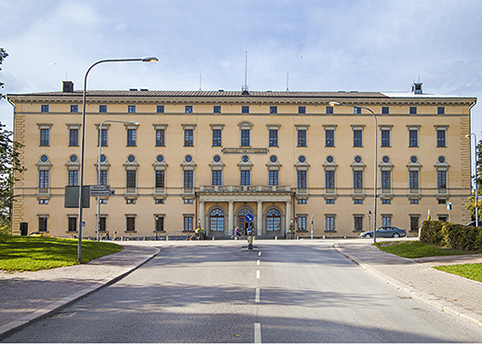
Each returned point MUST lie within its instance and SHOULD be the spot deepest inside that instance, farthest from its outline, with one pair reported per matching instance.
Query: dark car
(386, 232)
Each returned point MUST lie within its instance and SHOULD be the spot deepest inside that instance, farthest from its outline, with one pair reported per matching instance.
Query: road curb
(466, 315)
(16, 325)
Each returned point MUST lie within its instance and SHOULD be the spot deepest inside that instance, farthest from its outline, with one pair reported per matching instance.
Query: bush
(432, 232)
(452, 235)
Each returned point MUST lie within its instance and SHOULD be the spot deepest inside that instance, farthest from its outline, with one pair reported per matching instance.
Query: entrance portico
(269, 205)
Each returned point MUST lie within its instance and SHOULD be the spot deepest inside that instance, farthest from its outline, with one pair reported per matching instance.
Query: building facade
(209, 158)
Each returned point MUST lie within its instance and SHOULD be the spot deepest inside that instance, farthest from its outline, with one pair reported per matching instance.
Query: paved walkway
(28, 296)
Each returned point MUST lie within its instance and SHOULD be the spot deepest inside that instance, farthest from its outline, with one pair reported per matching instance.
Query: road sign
(101, 193)
(249, 218)
(99, 188)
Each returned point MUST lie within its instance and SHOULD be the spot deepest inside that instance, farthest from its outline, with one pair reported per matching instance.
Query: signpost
(249, 218)
(101, 190)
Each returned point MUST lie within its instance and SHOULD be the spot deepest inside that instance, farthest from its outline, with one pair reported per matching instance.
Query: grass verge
(471, 271)
(22, 253)
(418, 249)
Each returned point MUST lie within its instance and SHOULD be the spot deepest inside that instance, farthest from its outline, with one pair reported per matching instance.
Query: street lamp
(476, 173)
(99, 169)
(81, 184)
(375, 165)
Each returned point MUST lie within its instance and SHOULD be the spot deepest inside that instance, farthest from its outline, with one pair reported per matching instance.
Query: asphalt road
(216, 292)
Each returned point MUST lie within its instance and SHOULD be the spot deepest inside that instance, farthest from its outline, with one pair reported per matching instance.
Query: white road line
(258, 263)
(257, 332)
(259, 253)
(257, 274)
(257, 298)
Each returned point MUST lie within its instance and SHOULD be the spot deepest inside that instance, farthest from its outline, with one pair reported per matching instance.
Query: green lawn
(417, 249)
(22, 253)
(472, 271)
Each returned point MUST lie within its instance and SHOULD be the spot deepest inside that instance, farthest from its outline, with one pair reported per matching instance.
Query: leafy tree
(3, 55)
(10, 167)
(471, 205)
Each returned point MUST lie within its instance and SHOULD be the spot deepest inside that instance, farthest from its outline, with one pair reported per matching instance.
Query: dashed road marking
(257, 297)
(258, 274)
(259, 262)
(257, 332)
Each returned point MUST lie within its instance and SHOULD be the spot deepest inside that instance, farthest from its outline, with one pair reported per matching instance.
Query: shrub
(432, 232)
(452, 235)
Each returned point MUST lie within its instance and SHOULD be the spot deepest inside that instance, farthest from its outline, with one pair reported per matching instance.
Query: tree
(10, 167)
(3, 55)
(471, 205)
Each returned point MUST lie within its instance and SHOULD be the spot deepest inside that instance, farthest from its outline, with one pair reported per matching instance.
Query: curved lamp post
(81, 184)
(375, 165)
(476, 173)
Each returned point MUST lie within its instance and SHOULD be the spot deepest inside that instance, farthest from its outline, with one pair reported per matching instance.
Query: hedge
(452, 235)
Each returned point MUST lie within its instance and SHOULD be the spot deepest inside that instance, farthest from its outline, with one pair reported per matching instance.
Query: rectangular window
(302, 223)
(159, 223)
(103, 177)
(188, 179)
(188, 109)
(441, 138)
(245, 137)
(44, 180)
(357, 138)
(386, 179)
(413, 138)
(301, 109)
(413, 179)
(358, 223)
(273, 138)
(217, 138)
(160, 138)
(273, 109)
(130, 224)
(330, 179)
(329, 138)
(74, 108)
(440, 110)
(160, 179)
(357, 110)
(245, 177)
(44, 108)
(188, 137)
(385, 110)
(413, 110)
(42, 224)
(273, 178)
(217, 109)
(72, 224)
(188, 224)
(301, 138)
(302, 201)
(102, 108)
(131, 137)
(73, 177)
(441, 179)
(103, 224)
(160, 109)
(330, 224)
(386, 201)
(413, 200)
(73, 137)
(330, 201)
(357, 201)
(217, 177)
(329, 110)
(131, 178)
(301, 182)
(103, 137)
(358, 179)
(414, 222)
(245, 109)
(131, 108)
(44, 137)
(385, 138)
(386, 221)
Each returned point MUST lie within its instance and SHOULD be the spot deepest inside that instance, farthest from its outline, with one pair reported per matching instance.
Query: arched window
(273, 220)
(216, 220)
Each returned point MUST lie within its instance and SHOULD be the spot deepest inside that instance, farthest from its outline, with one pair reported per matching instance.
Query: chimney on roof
(417, 88)
(67, 86)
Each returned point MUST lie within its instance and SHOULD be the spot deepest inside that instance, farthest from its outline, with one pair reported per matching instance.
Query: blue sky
(362, 45)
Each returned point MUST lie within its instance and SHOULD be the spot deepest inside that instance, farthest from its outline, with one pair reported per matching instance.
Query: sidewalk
(28, 296)
(457, 295)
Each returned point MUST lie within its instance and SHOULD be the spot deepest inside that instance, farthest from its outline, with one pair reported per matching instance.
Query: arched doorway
(242, 224)
(216, 221)
(273, 221)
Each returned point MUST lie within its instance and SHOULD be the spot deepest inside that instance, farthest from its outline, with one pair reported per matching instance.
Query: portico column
(202, 214)
(259, 215)
(288, 216)
(230, 218)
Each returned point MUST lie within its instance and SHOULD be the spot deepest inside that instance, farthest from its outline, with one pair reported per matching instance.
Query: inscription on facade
(245, 151)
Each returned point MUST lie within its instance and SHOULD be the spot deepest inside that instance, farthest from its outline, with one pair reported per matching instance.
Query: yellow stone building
(209, 158)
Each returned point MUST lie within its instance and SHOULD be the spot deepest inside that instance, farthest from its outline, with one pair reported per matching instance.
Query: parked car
(386, 232)
(38, 234)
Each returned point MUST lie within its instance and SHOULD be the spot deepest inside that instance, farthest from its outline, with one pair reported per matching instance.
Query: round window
(413, 159)
(103, 158)
(217, 158)
(160, 158)
(302, 158)
(330, 159)
(245, 158)
(385, 159)
(44, 158)
(273, 158)
(188, 158)
(441, 159)
(358, 159)
(73, 158)
(131, 158)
